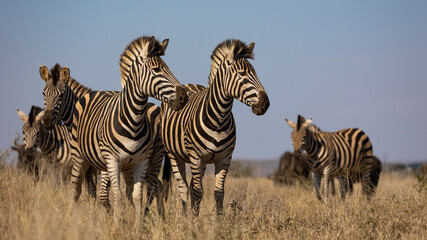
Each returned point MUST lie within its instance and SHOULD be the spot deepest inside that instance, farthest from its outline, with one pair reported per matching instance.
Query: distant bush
(422, 179)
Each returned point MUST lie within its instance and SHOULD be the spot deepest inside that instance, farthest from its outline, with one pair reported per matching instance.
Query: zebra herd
(120, 134)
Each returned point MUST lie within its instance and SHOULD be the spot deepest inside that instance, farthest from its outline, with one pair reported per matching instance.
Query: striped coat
(204, 131)
(334, 154)
(111, 130)
(54, 144)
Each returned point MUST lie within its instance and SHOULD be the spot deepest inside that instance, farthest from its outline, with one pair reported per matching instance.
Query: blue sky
(344, 63)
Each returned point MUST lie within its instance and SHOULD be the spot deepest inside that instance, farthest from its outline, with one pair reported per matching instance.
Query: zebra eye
(243, 73)
(157, 70)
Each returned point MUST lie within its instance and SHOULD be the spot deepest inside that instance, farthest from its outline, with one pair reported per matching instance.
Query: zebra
(204, 131)
(54, 144)
(28, 159)
(112, 132)
(334, 154)
(60, 97)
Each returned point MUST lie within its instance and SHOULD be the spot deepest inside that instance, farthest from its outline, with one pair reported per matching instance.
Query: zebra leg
(79, 168)
(332, 186)
(178, 169)
(138, 177)
(154, 186)
(317, 178)
(350, 186)
(128, 178)
(326, 185)
(221, 170)
(104, 190)
(343, 186)
(113, 168)
(196, 188)
(367, 186)
(91, 185)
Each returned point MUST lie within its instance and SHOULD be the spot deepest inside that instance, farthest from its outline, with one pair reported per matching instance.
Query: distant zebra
(54, 144)
(204, 131)
(334, 154)
(113, 132)
(28, 159)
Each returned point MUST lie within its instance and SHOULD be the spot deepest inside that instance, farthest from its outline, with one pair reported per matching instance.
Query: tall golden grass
(254, 209)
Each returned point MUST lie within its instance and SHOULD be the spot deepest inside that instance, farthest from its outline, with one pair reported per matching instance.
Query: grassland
(255, 209)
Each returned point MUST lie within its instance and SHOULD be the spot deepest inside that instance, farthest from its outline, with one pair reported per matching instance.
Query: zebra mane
(240, 50)
(300, 122)
(33, 113)
(55, 71)
(134, 50)
(310, 127)
(233, 47)
(77, 88)
(313, 128)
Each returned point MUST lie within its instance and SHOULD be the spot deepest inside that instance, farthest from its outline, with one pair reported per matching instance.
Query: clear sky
(344, 63)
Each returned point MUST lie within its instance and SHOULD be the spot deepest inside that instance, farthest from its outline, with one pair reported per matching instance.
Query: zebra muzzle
(262, 105)
(48, 120)
(180, 100)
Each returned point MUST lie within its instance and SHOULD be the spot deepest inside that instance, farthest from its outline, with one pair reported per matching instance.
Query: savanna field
(255, 208)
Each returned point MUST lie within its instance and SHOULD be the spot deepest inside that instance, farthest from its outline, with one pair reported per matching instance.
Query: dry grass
(255, 209)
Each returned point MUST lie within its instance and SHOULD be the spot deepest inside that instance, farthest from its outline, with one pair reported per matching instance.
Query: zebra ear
(290, 123)
(22, 115)
(250, 48)
(39, 116)
(164, 45)
(44, 73)
(64, 75)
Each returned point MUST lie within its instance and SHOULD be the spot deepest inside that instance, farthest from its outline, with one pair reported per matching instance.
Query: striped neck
(218, 106)
(73, 92)
(133, 105)
(312, 143)
(47, 141)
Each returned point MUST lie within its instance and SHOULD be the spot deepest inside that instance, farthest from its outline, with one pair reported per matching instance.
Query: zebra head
(53, 93)
(299, 131)
(32, 127)
(141, 63)
(240, 80)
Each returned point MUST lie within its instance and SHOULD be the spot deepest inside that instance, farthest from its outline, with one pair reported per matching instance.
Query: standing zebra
(204, 131)
(60, 97)
(54, 144)
(112, 131)
(334, 154)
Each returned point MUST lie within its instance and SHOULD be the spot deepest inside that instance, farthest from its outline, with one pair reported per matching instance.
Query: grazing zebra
(204, 131)
(113, 132)
(28, 159)
(334, 154)
(54, 144)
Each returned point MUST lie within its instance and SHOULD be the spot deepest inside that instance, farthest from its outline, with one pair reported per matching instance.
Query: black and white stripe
(334, 154)
(54, 144)
(204, 131)
(112, 131)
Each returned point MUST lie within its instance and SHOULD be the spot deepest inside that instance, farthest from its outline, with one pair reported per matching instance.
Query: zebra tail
(166, 177)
